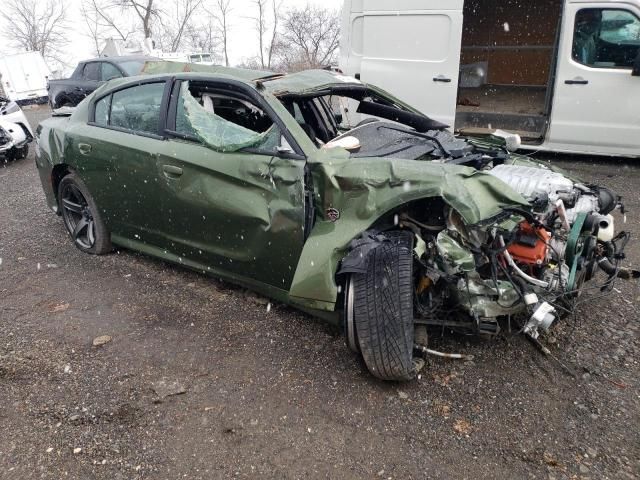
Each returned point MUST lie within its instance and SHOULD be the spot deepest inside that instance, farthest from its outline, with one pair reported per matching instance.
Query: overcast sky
(242, 41)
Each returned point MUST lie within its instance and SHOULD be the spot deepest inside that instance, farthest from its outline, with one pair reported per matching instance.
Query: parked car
(89, 75)
(23, 77)
(385, 227)
(15, 131)
(568, 81)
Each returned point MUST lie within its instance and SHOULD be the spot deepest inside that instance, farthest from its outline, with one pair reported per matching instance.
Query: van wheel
(81, 216)
(382, 316)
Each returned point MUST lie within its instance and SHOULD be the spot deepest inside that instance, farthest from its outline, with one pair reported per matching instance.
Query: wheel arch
(58, 172)
(318, 282)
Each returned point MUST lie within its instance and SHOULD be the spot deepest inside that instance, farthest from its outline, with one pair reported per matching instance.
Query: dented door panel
(258, 233)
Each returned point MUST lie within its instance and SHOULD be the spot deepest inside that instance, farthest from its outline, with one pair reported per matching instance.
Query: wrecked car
(15, 131)
(332, 196)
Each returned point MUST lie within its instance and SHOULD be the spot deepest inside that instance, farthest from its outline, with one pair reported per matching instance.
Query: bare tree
(309, 38)
(274, 35)
(261, 27)
(114, 16)
(36, 26)
(108, 15)
(222, 14)
(176, 22)
(146, 12)
(203, 36)
(94, 27)
(267, 34)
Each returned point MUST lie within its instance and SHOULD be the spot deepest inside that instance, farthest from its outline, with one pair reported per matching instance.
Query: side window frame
(573, 38)
(115, 67)
(91, 64)
(235, 88)
(164, 105)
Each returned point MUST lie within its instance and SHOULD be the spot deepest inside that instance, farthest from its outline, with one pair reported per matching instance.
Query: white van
(564, 74)
(23, 77)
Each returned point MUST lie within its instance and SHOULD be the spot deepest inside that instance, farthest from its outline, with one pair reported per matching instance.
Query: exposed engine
(529, 264)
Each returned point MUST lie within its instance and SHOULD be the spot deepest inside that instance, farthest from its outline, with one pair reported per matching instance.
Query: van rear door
(410, 48)
(596, 99)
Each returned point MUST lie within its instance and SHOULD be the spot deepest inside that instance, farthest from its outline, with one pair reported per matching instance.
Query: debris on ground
(101, 340)
(462, 426)
(58, 307)
(166, 388)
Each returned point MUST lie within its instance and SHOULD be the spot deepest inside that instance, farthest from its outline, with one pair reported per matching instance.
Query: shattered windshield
(369, 124)
(224, 122)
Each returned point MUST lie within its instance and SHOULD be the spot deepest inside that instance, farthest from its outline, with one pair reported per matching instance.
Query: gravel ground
(272, 393)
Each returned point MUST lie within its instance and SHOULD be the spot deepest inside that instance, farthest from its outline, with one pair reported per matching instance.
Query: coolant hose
(610, 269)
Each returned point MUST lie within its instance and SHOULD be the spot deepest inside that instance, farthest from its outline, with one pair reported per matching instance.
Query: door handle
(171, 171)
(85, 148)
(577, 81)
(442, 78)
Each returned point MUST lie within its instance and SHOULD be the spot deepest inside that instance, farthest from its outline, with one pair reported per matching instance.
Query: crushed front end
(525, 268)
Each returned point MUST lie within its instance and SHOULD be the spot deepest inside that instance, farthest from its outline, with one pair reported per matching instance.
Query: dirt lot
(272, 393)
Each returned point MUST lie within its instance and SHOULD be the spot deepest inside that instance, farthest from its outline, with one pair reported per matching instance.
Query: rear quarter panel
(49, 150)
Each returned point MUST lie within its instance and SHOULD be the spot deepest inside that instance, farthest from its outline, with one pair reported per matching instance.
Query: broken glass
(220, 134)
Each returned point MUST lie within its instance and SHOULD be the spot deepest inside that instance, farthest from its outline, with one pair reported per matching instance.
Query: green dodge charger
(333, 196)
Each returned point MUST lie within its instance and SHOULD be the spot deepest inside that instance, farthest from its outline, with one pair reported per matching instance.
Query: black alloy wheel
(81, 217)
(77, 217)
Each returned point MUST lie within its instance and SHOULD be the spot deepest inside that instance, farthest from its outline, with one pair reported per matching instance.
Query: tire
(22, 152)
(383, 309)
(81, 217)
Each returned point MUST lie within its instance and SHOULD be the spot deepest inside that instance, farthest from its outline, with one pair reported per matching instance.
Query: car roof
(164, 67)
(294, 83)
(124, 58)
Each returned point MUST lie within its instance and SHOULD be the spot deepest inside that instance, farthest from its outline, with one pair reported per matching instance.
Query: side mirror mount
(636, 66)
(284, 149)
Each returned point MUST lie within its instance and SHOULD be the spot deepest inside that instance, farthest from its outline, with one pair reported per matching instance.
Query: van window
(137, 108)
(606, 38)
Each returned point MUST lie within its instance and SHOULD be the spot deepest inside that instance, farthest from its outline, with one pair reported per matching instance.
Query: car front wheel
(379, 310)
(81, 217)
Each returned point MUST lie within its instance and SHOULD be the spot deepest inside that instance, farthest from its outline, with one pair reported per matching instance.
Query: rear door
(116, 155)
(410, 48)
(595, 106)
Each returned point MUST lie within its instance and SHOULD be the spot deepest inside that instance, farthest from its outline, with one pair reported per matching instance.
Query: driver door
(239, 211)
(596, 99)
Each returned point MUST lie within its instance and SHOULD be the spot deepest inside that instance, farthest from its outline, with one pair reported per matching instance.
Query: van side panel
(410, 48)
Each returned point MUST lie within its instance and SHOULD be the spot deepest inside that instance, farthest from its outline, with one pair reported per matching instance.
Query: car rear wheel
(81, 217)
(380, 322)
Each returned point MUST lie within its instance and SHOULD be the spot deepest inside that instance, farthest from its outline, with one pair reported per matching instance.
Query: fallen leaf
(462, 427)
(550, 460)
(101, 340)
(442, 408)
(59, 307)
